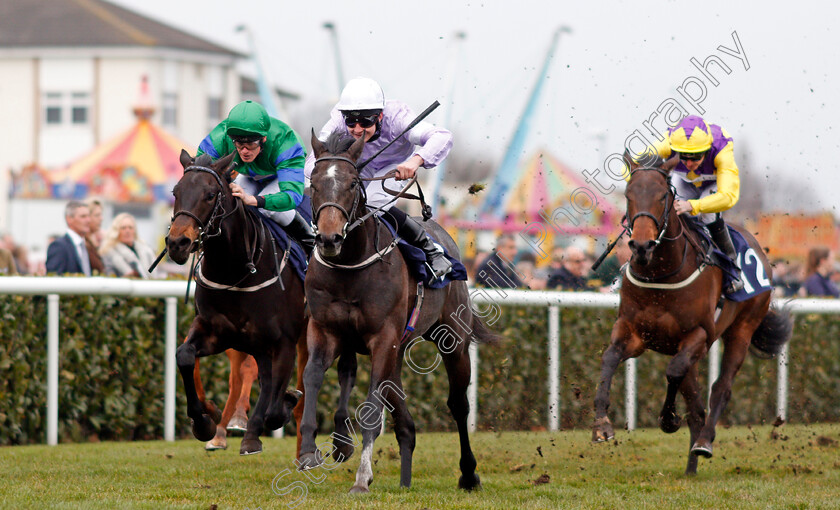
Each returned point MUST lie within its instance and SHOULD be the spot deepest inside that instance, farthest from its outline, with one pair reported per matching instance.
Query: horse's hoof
(342, 451)
(602, 430)
(250, 447)
(217, 443)
(238, 423)
(204, 429)
(670, 424)
(292, 397)
(358, 489)
(702, 450)
(469, 483)
(309, 461)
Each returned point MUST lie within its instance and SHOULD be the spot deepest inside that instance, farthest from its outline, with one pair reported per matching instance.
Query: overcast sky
(608, 76)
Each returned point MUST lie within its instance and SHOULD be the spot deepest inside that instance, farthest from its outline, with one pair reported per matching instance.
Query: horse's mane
(651, 161)
(338, 142)
(204, 160)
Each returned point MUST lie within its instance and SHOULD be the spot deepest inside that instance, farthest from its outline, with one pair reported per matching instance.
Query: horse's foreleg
(736, 344)
(692, 349)
(343, 448)
(404, 429)
(322, 347)
(383, 360)
(248, 373)
(458, 370)
(230, 420)
(690, 389)
(251, 443)
(302, 358)
(208, 405)
(198, 344)
(282, 402)
(623, 345)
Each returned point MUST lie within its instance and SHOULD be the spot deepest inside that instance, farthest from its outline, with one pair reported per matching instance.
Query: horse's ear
(185, 159)
(223, 165)
(632, 165)
(671, 163)
(317, 146)
(230, 173)
(355, 150)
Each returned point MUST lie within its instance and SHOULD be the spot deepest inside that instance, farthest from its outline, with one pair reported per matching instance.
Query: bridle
(218, 213)
(217, 217)
(661, 223)
(662, 227)
(352, 222)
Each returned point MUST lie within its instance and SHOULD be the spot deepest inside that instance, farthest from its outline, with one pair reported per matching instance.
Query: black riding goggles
(365, 122)
(691, 156)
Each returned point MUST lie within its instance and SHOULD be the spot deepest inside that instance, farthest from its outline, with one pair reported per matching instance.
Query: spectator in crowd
(571, 275)
(497, 270)
(607, 274)
(21, 256)
(68, 253)
(123, 253)
(818, 274)
(526, 266)
(786, 281)
(7, 263)
(94, 238)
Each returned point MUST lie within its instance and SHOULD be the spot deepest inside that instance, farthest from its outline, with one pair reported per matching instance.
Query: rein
(662, 227)
(253, 243)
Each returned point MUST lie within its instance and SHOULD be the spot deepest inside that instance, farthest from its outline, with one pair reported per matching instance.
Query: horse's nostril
(336, 239)
(319, 239)
(183, 243)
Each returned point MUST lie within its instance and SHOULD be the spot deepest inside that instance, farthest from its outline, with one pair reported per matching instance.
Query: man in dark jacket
(68, 253)
(497, 270)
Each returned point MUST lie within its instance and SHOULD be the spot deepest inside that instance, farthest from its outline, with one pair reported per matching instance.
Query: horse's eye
(209, 196)
(353, 184)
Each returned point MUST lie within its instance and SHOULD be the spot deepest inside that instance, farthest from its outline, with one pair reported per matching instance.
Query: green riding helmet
(248, 120)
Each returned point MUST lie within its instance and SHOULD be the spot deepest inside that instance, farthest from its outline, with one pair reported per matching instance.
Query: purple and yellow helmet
(691, 135)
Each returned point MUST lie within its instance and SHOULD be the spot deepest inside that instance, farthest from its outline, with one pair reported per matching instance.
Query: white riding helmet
(361, 94)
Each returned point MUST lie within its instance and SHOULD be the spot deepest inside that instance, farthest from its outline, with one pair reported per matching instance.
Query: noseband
(661, 223)
(352, 222)
(218, 209)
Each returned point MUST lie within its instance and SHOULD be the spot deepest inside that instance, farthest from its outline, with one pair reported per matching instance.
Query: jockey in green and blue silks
(270, 158)
(706, 178)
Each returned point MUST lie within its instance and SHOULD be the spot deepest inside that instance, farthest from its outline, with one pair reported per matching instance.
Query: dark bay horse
(361, 295)
(245, 297)
(670, 309)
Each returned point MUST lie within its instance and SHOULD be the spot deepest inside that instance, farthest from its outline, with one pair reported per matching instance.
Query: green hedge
(111, 373)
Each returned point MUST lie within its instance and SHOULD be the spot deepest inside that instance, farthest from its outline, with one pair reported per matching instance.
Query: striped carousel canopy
(139, 165)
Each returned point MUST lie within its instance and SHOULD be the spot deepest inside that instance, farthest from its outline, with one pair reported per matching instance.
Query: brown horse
(670, 308)
(234, 417)
(245, 298)
(361, 295)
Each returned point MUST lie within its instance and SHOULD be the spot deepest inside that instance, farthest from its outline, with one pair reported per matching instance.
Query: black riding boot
(414, 234)
(721, 237)
(300, 230)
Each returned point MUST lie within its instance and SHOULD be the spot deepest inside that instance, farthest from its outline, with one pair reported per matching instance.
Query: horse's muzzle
(329, 245)
(180, 248)
(642, 251)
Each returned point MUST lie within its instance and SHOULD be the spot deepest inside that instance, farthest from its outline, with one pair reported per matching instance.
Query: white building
(71, 72)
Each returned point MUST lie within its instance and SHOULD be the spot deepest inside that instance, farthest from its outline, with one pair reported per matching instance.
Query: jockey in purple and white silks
(363, 111)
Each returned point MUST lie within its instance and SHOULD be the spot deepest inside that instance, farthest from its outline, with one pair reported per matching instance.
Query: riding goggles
(365, 122)
(691, 156)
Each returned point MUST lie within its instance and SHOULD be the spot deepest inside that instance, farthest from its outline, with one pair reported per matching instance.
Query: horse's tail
(481, 333)
(773, 333)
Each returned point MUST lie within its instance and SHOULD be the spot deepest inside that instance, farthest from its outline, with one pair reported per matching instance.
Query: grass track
(800, 468)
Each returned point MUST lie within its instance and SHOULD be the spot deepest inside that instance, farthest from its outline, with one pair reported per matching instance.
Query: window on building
(66, 108)
(170, 110)
(79, 106)
(52, 108)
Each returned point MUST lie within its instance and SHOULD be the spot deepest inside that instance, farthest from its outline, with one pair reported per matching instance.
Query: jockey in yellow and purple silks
(706, 178)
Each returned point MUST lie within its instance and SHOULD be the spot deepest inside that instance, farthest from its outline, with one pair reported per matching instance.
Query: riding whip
(608, 250)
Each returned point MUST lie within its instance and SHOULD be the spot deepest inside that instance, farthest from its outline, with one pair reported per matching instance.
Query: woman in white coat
(123, 253)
